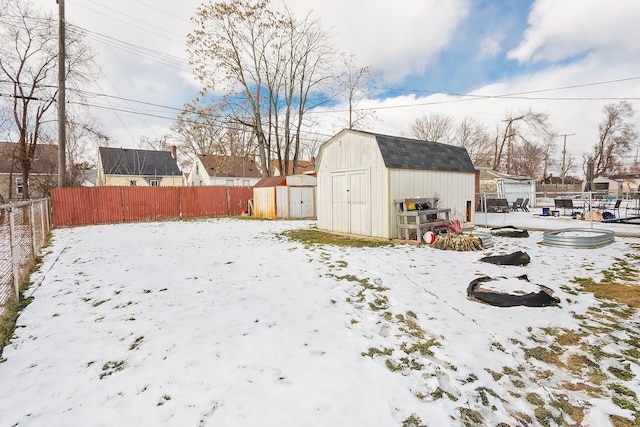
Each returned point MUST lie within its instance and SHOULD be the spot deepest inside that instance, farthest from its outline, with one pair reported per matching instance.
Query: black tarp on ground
(516, 258)
(543, 298)
(509, 231)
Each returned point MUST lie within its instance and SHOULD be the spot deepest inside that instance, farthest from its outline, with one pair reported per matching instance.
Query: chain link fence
(546, 210)
(23, 230)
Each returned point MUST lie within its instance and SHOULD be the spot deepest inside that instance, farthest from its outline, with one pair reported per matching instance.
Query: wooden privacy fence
(102, 205)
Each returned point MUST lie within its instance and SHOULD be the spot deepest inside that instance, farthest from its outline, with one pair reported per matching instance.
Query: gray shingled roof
(125, 161)
(405, 153)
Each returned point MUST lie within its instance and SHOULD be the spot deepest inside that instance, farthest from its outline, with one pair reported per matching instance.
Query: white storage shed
(285, 197)
(361, 175)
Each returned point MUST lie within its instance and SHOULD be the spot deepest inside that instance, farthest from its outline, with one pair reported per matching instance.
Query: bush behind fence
(23, 230)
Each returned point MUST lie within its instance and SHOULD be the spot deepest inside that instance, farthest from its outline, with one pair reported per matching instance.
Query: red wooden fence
(103, 205)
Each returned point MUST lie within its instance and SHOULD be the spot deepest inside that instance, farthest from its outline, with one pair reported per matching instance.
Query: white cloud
(395, 38)
(563, 29)
(490, 47)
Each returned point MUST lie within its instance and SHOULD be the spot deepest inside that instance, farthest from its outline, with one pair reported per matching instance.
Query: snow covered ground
(225, 322)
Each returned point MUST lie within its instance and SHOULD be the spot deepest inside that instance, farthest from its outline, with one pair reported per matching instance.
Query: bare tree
(203, 128)
(616, 137)
(28, 62)
(433, 127)
(529, 160)
(354, 83)
(518, 130)
(473, 136)
(83, 140)
(268, 65)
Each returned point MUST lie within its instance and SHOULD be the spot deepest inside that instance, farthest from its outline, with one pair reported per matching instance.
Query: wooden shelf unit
(418, 221)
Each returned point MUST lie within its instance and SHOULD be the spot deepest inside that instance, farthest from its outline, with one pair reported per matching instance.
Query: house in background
(223, 170)
(612, 186)
(285, 197)
(125, 167)
(361, 175)
(43, 175)
(504, 186)
(304, 166)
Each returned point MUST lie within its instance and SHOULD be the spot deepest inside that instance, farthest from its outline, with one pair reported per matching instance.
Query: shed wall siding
(264, 202)
(453, 189)
(352, 161)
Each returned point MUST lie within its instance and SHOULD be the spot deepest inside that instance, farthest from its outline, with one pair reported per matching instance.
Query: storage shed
(285, 197)
(505, 186)
(361, 175)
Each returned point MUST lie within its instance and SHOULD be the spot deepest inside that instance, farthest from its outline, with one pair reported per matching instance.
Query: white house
(223, 170)
(361, 175)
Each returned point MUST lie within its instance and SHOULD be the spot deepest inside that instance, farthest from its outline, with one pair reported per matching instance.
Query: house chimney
(174, 152)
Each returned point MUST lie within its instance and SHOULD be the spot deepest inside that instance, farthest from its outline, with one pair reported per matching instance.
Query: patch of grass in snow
(111, 367)
(136, 343)
(624, 373)
(439, 393)
(618, 421)
(422, 347)
(97, 303)
(413, 421)
(470, 417)
(562, 403)
(313, 236)
(164, 399)
(378, 352)
(619, 282)
(546, 418)
(484, 394)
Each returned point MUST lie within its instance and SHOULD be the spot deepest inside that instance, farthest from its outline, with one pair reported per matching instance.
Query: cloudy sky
(486, 59)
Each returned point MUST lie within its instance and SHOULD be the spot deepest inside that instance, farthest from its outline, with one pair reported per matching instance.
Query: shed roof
(406, 153)
(125, 161)
(271, 181)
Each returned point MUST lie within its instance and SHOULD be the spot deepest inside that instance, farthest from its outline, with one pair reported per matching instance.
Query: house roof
(229, 166)
(303, 165)
(126, 161)
(45, 160)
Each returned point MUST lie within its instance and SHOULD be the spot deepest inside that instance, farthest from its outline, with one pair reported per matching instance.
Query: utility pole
(564, 154)
(62, 131)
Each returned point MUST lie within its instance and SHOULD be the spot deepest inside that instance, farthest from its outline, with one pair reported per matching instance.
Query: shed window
(153, 182)
(133, 183)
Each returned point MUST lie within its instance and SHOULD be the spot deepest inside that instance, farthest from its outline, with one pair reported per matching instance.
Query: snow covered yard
(227, 322)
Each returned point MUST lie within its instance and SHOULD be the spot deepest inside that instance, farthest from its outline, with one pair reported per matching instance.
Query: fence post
(14, 255)
(32, 219)
(43, 219)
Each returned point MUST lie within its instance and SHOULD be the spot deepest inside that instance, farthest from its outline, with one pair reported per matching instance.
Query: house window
(246, 183)
(133, 183)
(229, 183)
(153, 182)
(19, 186)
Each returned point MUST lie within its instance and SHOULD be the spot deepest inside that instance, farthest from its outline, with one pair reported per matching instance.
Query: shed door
(350, 202)
(301, 202)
